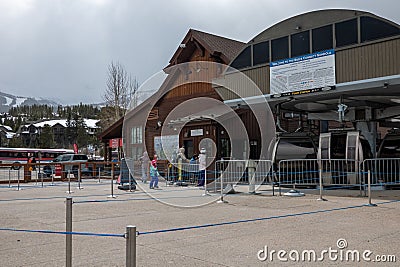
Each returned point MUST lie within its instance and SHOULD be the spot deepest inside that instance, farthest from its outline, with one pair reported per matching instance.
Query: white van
(68, 159)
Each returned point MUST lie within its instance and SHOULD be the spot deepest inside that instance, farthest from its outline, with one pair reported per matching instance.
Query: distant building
(6, 134)
(30, 132)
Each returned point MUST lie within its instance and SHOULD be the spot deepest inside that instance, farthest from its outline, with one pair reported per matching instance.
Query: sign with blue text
(303, 74)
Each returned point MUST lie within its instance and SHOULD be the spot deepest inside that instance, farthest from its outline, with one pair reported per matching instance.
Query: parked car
(68, 159)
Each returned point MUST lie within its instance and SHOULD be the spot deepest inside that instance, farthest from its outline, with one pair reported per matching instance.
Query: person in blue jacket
(154, 173)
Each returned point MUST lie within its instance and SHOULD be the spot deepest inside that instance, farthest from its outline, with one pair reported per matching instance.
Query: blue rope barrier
(129, 199)
(61, 232)
(86, 196)
(258, 219)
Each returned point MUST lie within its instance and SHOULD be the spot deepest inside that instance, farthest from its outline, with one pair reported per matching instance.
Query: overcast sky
(60, 49)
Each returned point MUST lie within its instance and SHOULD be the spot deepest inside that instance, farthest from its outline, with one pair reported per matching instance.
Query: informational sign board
(196, 132)
(303, 74)
(166, 145)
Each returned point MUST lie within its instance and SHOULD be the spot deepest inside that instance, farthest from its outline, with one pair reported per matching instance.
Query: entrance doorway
(189, 148)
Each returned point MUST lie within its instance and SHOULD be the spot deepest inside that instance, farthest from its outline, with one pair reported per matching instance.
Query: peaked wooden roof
(224, 48)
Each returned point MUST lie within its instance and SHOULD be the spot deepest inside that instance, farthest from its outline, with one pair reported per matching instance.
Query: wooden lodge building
(197, 52)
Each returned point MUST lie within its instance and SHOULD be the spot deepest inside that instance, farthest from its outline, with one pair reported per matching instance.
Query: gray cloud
(61, 49)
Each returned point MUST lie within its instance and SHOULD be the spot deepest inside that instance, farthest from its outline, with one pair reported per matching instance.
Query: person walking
(154, 173)
(202, 168)
(145, 166)
(181, 160)
(33, 161)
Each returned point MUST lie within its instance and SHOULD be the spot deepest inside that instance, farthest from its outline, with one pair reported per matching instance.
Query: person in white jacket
(202, 167)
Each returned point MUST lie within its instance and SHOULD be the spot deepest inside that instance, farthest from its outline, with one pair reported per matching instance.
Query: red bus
(10, 155)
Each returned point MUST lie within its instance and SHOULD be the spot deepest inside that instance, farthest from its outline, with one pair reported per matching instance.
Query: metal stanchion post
(221, 200)
(69, 182)
(79, 177)
(320, 186)
(52, 177)
(252, 177)
(279, 188)
(68, 229)
(361, 175)
(130, 246)
(41, 176)
(99, 176)
(273, 181)
(18, 188)
(369, 190)
(205, 184)
(9, 178)
(112, 183)
(168, 169)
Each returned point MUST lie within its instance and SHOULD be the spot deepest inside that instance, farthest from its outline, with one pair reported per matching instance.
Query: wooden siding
(368, 61)
(200, 68)
(376, 59)
(185, 87)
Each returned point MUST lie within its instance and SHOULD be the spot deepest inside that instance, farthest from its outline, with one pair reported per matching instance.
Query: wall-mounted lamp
(298, 28)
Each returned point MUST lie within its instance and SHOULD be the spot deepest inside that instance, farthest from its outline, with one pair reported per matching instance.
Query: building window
(372, 29)
(137, 135)
(137, 152)
(300, 44)
(322, 38)
(346, 33)
(261, 53)
(243, 60)
(280, 48)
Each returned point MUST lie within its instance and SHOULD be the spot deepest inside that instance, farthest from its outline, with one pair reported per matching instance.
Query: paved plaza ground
(236, 233)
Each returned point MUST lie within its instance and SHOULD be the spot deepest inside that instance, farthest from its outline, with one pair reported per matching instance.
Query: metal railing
(385, 172)
(51, 171)
(307, 172)
(183, 173)
(229, 173)
(340, 173)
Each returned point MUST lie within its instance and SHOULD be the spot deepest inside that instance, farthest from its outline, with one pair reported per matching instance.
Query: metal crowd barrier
(53, 171)
(340, 173)
(253, 173)
(183, 173)
(307, 172)
(385, 172)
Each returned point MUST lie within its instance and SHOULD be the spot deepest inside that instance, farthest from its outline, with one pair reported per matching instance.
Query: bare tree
(132, 87)
(120, 89)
